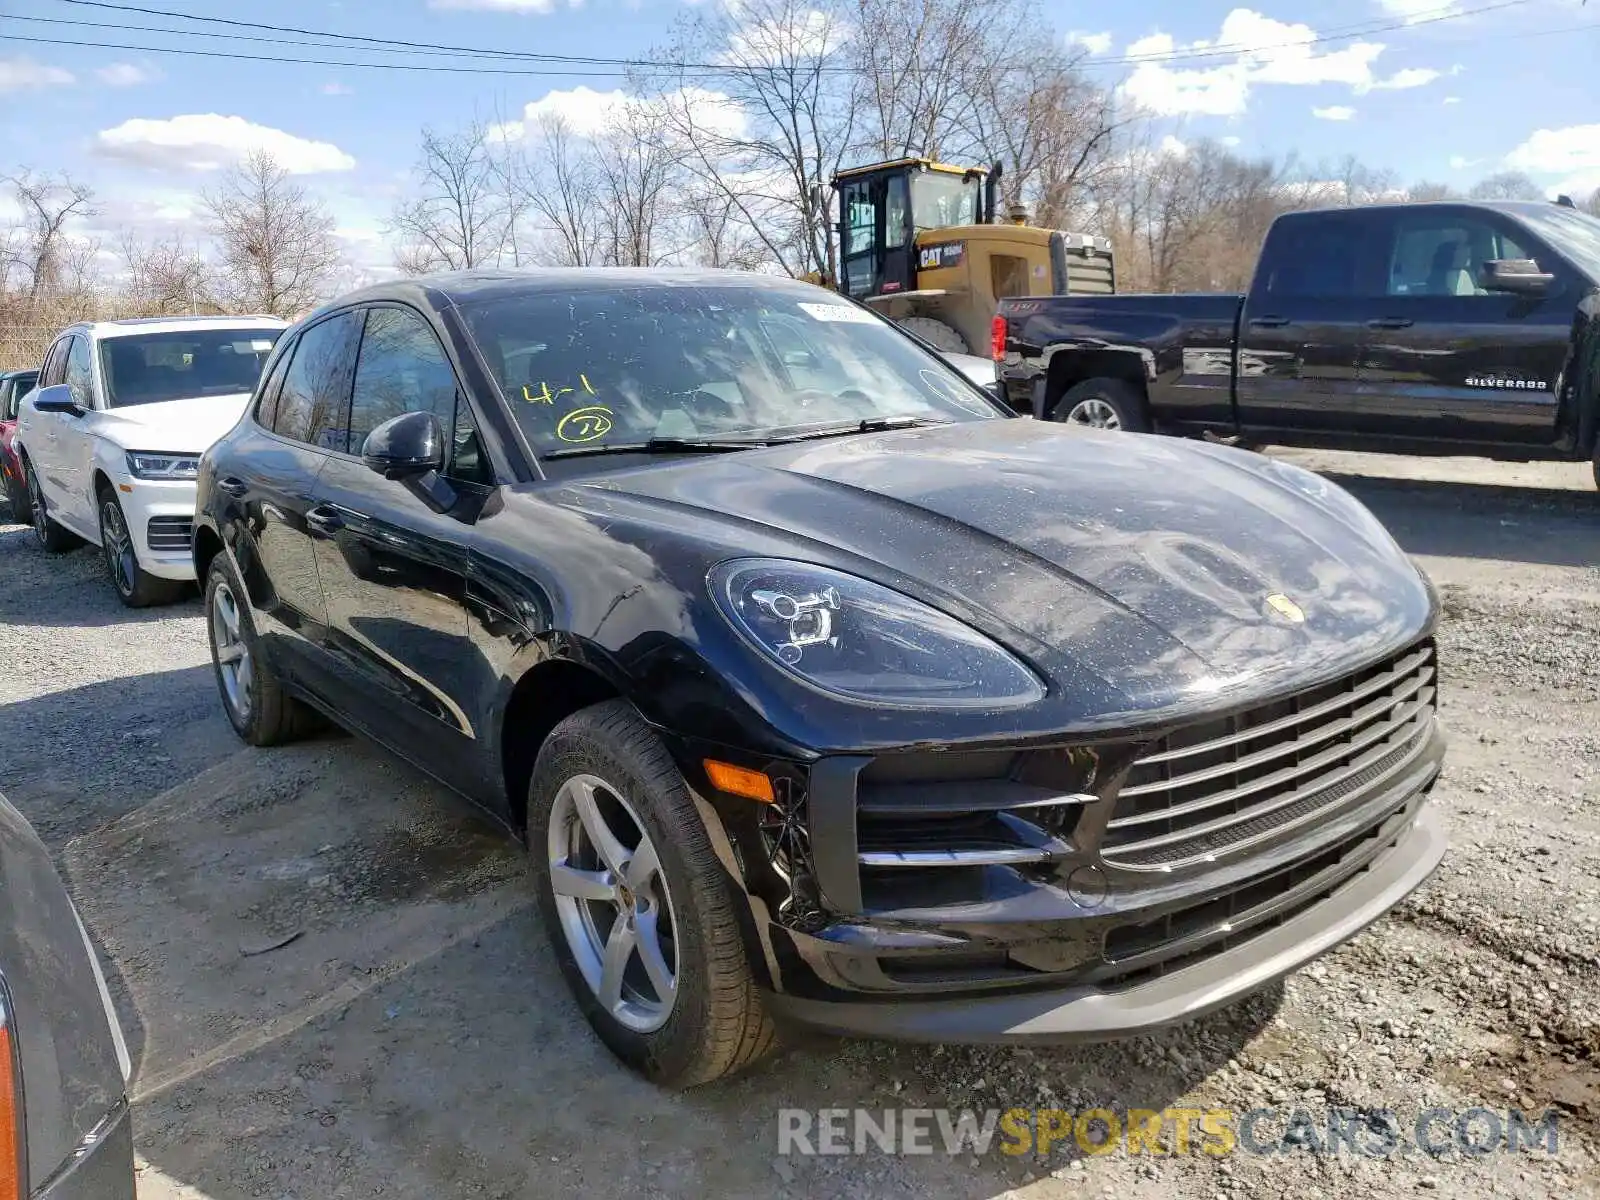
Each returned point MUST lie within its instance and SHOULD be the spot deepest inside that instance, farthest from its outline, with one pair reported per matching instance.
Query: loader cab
(882, 209)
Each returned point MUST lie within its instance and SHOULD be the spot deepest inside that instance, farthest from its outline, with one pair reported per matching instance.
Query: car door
(393, 566)
(1304, 322)
(271, 471)
(74, 452)
(1447, 359)
(40, 433)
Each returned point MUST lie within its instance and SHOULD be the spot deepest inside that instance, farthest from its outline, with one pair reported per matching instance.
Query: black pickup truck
(1447, 328)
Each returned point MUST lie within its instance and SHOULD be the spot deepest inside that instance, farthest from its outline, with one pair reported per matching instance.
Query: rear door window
(313, 403)
(1313, 258)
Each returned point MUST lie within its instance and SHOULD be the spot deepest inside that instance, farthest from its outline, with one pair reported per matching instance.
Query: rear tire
(936, 333)
(135, 586)
(603, 765)
(1113, 404)
(51, 537)
(257, 707)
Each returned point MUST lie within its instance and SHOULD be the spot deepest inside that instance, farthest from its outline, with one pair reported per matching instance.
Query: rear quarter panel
(1179, 348)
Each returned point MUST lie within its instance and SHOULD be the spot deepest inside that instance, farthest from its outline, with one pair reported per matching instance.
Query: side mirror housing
(57, 398)
(1519, 276)
(405, 447)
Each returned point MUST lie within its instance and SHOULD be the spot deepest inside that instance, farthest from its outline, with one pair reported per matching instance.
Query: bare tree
(1507, 185)
(1426, 190)
(781, 124)
(47, 202)
(461, 217)
(1052, 130)
(559, 176)
(638, 172)
(274, 240)
(164, 276)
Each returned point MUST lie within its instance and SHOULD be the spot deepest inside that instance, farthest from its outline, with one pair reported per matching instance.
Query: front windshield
(148, 368)
(1578, 234)
(614, 367)
(940, 200)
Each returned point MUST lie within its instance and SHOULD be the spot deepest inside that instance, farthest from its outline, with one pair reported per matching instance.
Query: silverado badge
(1286, 608)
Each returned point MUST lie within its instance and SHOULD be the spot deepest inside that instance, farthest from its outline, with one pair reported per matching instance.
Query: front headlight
(146, 464)
(856, 639)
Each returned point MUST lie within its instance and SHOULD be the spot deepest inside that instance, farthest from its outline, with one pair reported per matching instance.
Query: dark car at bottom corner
(823, 689)
(65, 1132)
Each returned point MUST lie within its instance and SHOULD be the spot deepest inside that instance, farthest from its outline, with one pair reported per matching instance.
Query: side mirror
(57, 398)
(1519, 276)
(406, 446)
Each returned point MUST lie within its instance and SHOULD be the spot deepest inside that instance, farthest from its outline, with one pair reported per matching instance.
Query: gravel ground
(413, 1039)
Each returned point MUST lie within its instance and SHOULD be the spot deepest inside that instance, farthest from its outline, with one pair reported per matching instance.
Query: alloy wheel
(234, 666)
(613, 901)
(118, 546)
(1095, 413)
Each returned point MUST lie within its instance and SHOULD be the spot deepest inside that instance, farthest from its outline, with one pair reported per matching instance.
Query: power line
(1229, 50)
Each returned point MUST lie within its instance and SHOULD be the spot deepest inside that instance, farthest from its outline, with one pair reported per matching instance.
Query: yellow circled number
(585, 424)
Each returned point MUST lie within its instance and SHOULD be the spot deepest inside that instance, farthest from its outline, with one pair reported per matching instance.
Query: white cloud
(1416, 10)
(19, 73)
(507, 6)
(209, 141)
(589, 113)
(1334, 112)
(1173, 147)
(335, 88)
(1272, 52)
(126, 75)
(1232, 140)
(1094, 43)
(1570, 155)
(1452, 99)
(1411, 77)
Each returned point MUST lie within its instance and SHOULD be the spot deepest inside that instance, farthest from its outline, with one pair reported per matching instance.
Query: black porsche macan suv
(822, 688)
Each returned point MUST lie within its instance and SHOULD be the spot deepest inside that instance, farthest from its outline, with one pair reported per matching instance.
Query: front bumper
(1095, 1013)
(160, 516)
(101, 1168)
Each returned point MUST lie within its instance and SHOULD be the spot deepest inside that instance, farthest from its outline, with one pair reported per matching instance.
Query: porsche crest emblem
(1286, 608)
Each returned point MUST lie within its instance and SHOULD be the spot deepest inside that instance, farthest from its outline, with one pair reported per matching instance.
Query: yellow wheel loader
(919, 241)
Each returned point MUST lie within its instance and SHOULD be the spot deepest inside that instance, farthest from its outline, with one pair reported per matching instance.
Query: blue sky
(1448, 100)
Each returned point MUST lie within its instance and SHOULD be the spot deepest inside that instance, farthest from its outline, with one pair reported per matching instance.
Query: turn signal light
(739, 781)
(997, 338)
(10, 1147)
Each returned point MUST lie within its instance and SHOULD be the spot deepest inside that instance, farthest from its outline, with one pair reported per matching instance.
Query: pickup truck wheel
(51, 537)
(1103, 404)
(635, 903)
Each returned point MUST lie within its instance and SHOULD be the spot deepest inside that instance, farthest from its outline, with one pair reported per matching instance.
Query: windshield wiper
(658, 445)
(867, 425)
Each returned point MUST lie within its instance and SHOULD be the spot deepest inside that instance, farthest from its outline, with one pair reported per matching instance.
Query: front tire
(258, 708)
(51, 537)
(135, 586)
(1113, 404)
(635, 903)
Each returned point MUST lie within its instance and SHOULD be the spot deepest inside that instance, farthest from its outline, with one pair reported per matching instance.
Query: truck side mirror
(1518, 276)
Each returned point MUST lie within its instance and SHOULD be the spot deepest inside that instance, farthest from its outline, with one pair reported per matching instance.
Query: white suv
(111, 440)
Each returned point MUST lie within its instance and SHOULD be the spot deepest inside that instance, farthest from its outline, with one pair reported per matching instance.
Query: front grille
(1138, 953)
(170, 535)
(1214, 785)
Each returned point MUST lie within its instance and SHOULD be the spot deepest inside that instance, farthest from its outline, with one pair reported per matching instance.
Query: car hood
(189, 425)
(1138, 572)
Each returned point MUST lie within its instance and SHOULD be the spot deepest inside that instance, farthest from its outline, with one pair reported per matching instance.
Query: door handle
(1391, 323)
(323, 521)
(1269, 322)
(233, 485)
